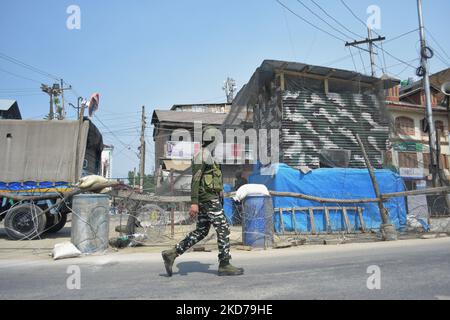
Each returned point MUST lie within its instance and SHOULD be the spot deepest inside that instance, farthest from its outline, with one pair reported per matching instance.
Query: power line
(401, 63)
(28, 66)
(19, 91)
(109, 130)
(353, 59)
(315, 14)
(19, 76)
(384, 58)
(335, 20)
(353, 14)
(442, 59)
(306, 21)
(437, 52)
(397, 74)
(20, 95)
(337, 60)
(362, 62)
(394, 57)
(289, 33)
(437, 42)
(401, 36)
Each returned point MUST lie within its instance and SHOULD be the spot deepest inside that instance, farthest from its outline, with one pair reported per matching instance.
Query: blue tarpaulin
(32, 185)
(228, 206)
(336, 183)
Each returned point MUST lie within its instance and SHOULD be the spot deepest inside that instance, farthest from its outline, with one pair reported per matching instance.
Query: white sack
(89, 181)
(65, 250)
(251, 190)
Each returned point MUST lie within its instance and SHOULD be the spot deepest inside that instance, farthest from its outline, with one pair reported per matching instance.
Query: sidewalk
(40, 249)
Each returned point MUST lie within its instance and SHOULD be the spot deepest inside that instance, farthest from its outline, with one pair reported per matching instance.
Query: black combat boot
(226, 269)
(169, 257)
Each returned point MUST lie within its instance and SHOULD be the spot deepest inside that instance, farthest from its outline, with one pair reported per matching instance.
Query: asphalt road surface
(412, 269)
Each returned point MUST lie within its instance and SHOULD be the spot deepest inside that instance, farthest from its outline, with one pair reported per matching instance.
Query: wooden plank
(347, 222)
(294, 222)
(361, 220)
(313, 223)
(384, 197)
(327, 219)
(281, 221)
(325, 83)
(308, 75)
(149, 198)
(282, 82)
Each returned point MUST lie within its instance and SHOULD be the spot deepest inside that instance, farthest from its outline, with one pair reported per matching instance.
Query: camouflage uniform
(206, 187)
(211, 213)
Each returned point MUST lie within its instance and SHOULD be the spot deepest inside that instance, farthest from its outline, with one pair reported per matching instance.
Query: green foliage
(149, 181)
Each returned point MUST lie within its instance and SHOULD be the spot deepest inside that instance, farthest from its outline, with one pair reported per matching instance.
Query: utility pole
(372, 56)
(426, 83)
(142, 152)
(369, 41)
(134, 178)
(63, 108)
(53, 91)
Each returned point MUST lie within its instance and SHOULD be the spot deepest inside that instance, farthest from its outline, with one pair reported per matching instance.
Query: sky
(157, 53)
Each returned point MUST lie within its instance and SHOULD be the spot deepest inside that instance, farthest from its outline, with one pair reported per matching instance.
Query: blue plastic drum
(257, 224)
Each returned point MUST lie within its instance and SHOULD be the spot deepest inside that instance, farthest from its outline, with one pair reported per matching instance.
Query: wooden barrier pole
(383, 211)
(387, 230)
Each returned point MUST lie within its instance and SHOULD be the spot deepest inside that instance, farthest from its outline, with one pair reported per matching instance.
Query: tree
(149, 181)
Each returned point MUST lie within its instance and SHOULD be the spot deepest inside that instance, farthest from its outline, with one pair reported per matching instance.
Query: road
(410, 269)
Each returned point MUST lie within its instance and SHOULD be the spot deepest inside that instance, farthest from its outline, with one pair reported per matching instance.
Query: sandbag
(89, 181)
(65, 250)
(251, 190)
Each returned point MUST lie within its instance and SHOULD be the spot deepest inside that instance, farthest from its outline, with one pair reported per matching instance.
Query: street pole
(426, 84)
(48, 90)
(134, 179)
(55, 90)
(142, 152)
(372, 56)
(51, 114)
(370, 42)
(63, 111)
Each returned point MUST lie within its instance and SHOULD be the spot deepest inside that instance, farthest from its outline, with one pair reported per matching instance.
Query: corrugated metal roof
(322, 71)
(436, 80)
(187, 117)
(6, 104)
(175, 106)
(250, 92)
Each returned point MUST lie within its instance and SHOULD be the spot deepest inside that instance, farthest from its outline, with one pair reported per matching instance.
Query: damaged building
(318, 111)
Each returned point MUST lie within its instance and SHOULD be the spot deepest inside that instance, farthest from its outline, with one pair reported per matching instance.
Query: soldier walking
(207, 186)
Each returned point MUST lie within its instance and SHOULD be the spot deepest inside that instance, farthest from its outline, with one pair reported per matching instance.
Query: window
(440, 128)
(443, 162)
(404, 126)
(426, 160)
(407, 160)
